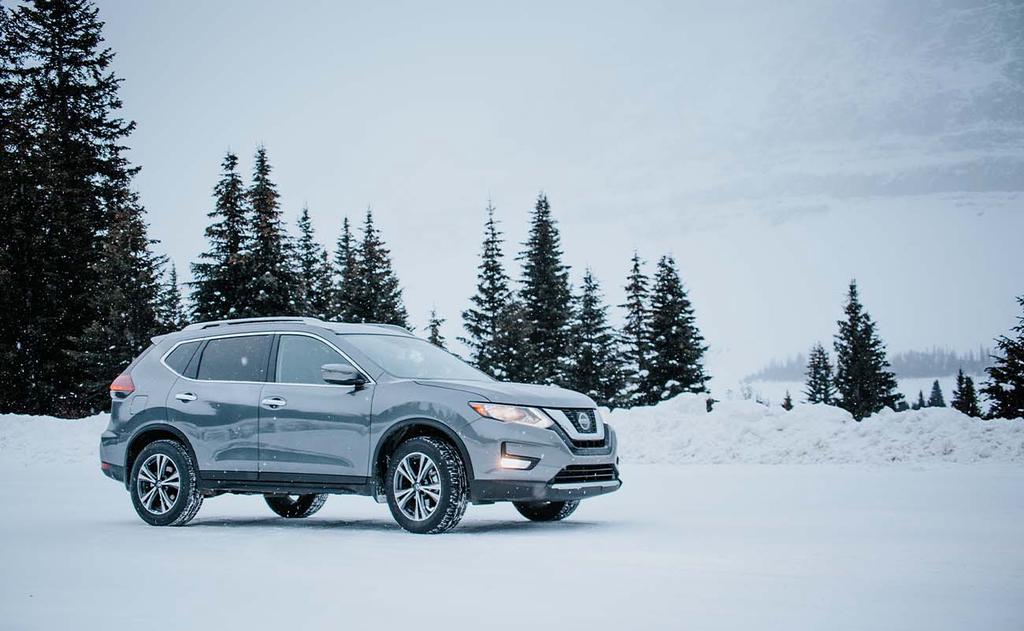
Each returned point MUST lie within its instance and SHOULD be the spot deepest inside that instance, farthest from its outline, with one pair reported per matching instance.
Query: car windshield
(413, 358)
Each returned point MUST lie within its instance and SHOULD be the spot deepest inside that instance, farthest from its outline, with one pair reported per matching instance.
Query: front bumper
(519, 491)
(559, 471)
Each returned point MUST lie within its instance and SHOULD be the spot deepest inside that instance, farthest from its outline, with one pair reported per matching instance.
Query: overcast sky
(776, 149)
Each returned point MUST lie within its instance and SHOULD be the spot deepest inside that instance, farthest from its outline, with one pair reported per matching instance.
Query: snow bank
(676, 431)
(27, 440)
(680, 430)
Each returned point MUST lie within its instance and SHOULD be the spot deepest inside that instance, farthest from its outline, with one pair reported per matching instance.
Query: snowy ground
(918, 546)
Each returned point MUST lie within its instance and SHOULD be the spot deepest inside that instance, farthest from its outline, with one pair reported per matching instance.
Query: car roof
(201, 330)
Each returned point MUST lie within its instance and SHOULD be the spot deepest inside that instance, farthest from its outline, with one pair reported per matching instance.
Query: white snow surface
(932, 545)
(681, 430)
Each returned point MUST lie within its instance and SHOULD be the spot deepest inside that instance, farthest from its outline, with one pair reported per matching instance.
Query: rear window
(180, 357)
(235, 359)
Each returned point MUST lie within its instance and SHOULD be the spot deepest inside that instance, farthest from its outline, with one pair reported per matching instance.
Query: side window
(299, 359)
(241, 358)
(180, 357)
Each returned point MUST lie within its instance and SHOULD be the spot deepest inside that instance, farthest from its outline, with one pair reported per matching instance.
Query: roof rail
(393, 327)
(207, 325)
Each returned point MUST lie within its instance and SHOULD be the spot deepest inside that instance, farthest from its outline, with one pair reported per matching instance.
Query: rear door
(310, 429)
(216, 402)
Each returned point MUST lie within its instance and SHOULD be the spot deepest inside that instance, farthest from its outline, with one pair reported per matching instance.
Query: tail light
(123, 385)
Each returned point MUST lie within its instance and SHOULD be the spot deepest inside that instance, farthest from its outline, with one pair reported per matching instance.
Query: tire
(295, 506)
(546, 511)
(165, 504)
(437, 505)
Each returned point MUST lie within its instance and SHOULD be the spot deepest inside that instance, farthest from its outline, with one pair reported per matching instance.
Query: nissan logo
(584, 420)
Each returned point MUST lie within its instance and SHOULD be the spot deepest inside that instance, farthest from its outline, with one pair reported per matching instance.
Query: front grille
(573, 415)
(588, 444)
(586, 473)
(582, 444)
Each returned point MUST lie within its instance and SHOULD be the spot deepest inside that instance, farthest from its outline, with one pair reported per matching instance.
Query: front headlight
(513, 414)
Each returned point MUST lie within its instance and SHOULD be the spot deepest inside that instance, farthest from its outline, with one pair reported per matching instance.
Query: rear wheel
(295, 506)
(546, 511)
(426, 485)
(164, 486)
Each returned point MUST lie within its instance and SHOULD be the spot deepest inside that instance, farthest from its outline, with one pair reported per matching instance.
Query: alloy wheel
(417, 486)
(158, 484)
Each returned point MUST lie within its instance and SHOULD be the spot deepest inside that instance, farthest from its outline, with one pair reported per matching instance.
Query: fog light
(511, 462)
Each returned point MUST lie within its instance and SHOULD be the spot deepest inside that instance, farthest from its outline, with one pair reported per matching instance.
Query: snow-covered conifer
(863, 381)
(1005, 385)
(965, 396)
(676, 361)
(377, 295)
(490, 306)
(434, 335)
(546, 298)
(273, 286)
(596, 368)
(316, 286)
(820, 385)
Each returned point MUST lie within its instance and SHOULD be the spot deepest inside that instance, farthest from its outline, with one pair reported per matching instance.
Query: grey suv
(297, 408)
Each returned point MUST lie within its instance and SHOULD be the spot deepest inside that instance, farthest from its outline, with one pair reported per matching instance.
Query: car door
(310, 429)
(215, 400)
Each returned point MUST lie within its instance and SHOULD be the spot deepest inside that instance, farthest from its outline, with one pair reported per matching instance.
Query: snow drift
(678, 431)
(31, 440)
(681, 430)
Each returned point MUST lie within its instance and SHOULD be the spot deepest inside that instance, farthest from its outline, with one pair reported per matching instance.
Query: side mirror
(341, 374)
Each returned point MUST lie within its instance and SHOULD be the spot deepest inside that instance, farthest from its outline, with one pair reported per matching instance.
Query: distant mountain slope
(937, 362)
(880, 98)
(901, 98)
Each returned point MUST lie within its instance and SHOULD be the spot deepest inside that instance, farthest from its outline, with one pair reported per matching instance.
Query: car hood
(516, 393)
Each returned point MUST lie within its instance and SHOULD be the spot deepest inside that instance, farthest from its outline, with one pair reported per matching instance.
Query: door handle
(185, 397)
(273, 403)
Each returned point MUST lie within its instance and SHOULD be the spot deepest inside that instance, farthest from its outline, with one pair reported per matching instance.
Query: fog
(776, 149)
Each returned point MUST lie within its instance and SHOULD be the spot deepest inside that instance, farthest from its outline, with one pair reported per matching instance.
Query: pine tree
(346, 265)
(820, 385)
(965, 397)
(935, 399)
(920, 403)
(1005, 385)
(17, 206)
(316, 287)
(787, 402)
(377, 296)
(273, 286)
(546, 298)
(513, 326)
(596, 368)
(170, 309)
(863, 381)
(490, 305)
(221, 275)
(434, 335)
(128, 310)
(676, 346)
(63, 176)
(635, 334)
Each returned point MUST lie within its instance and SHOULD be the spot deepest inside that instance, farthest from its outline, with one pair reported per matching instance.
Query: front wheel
(426, 485)
(546, 511)
(295, 506)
